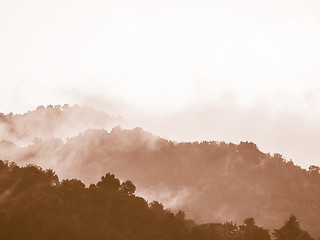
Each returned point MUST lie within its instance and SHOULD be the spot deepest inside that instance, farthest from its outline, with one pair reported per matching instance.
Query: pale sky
(220, 70)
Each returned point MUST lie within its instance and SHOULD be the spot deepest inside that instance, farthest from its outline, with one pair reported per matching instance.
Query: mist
(52, 122)
(210, 107)
(275, 128)
(230, 181)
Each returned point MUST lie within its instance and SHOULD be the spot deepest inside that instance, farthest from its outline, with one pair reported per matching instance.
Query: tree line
(35, 204)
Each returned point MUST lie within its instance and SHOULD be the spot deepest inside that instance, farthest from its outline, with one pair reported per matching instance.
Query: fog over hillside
(52, 121)
(211, 181)
(209, 107)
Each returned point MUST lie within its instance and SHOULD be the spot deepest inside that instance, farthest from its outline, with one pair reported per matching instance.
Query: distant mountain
(210, 181)
(52, 121)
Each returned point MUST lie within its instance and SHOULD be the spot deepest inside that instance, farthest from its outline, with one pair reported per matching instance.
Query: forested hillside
(210, 181)
(34, 205)
(52, 121)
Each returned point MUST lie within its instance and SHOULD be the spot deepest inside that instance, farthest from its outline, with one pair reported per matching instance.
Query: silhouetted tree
(314, 169)
(156, 206)
(109, 182)
(291, 231)
(252, 232)
(33, 208)
(128, 187)
(181, 215)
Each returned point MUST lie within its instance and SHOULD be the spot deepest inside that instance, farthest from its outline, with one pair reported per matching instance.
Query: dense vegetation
(211, 181)
(34, 205)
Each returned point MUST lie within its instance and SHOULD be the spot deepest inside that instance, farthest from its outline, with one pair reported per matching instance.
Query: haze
(186, 70)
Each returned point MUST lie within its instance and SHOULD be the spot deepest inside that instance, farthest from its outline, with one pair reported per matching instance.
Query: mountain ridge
(212, 181)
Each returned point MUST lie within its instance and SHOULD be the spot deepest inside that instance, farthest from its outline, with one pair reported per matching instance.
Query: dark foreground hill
(35, 205)
(210, 181)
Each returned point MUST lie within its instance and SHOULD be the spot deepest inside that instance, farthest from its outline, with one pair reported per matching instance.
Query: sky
(186, 70)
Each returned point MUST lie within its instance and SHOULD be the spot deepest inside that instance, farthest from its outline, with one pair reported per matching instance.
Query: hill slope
(52, 121)
(211, 181)
(34, 205)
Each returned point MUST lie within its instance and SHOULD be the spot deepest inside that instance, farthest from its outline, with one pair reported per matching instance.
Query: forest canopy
(34, 204)
(231, 181)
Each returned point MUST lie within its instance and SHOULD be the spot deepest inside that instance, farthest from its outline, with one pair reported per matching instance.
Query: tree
(180, 215)
(40, 108)
(314, 169)
(291, 231)
(109, 182)
(249, 223)
(156, 206)
(228, 231)
(252, 232)
(128, 187)
(72, 185)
